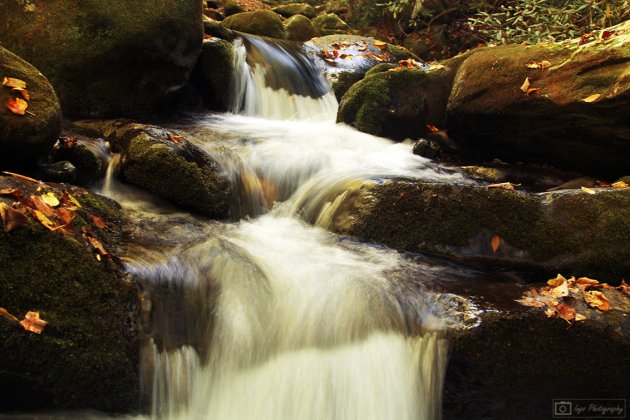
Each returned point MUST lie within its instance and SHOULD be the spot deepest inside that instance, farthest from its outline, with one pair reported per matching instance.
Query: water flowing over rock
(25, 137)
(120, 58)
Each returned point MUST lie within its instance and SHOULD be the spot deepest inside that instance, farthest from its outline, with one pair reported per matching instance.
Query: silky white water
(273, 317)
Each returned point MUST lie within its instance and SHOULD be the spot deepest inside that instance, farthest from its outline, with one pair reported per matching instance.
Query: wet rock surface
(87, 355)
(213, 74)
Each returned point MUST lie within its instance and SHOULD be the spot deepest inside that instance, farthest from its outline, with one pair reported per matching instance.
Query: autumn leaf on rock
(588, 190)
(42, 206)
(25, 178)
(33, 323)
(495, 243)
(526, 84)
(597, 299)
(175, 138)
(432, 128)
(13, 83)
(620, 184)
(380, 44)
(17, 106)
(42, 219)
(508, 186)
(591, 98)
(50, 199)
(566, 312)
(14, 192)
(11, 218)
(98, 222)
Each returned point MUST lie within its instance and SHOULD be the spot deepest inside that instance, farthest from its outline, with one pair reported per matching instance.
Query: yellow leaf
(75, 201)
(17, 106)
(579, 317)
(591, 98)
(50, 199)
(13, 83)
(588, 190)
(41, 218)
(495, 243)
(526, 84)
(508, 186)
(557, 281)
(561, 290)
(25, 178)
(597, 299)
(608, 13)
(620, 184)
(378, 43)
(545, 64)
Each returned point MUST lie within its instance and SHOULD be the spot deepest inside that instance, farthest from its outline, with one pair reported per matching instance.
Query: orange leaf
(620, 184)
(98, 222)
(33, 323)
(587, 281)
(11, 218)
(25, 178)
(591, 98)
(495, 243)
(42, 206)
(175, 138)
(545, 64)
(432, 128)
(380, 44)
(559, 280)
(7, 315)
(508, 186)
(526, 84)
(597, 299)
(66, 215)
(566, 312)
(15, 192)
(531, 90)
(41, 218)
(17, 106)
(13, 83)
(25, 94)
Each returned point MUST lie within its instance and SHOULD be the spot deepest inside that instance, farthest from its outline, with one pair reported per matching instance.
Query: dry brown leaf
(531, 301)
(620, 184)
(588, 190)
(33, 323)
(561, 290)
(42, 206)
(624, 287)
(545, 64)
(495, 243)
(591, 98)
(41, 218)
(508, 186)
(11, 218)
(526, 84)
(13, 83)
(17, 106)
(14, 192)
(597, 299)
(25, 94)
(566, 312)
(175, 138)
(531, 90)
(587, 281)
(65, 215)
(25, 178)
(98, 222)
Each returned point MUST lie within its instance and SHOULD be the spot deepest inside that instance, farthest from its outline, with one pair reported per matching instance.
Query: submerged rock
(259, 22)
(23, 138)
(537, 232)
(87, 355)
(120, 58)
(165, 164)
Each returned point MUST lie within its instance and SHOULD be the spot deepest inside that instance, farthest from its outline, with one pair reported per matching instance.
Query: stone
(299, 28)
(232, 7)
(330, 24)
(213, 74)
(24, 138)
(293, 9)
(259, 22)
(87, 356)
(118, 58)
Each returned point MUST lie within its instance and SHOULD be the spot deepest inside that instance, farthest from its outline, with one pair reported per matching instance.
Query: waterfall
(274, 317)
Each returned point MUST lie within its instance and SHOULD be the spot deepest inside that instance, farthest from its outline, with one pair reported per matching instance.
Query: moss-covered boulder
(293, 9)
(212, 76)
(86, 154)
(574, 115)
(563, 231)
(259, 22)
(25, 137)
(398, 103)
(330, 24)
(232, 7)
(121, 58)
(87, 355)
(165, 164)
(300, 28)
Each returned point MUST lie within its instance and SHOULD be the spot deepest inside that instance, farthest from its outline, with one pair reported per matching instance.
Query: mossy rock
(231, 7)
(25, 137)
(300, 28)
(330, 24)
(491, 117)
(539, 232)
(87, 355)
(259, 22)
(121, 58)
(165, 164)
(293, 9)
(212, 76)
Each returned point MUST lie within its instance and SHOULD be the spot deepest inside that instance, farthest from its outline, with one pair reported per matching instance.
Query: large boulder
(259, 22)
(572, 231)
(87, 355)
(574, 116)
(25, 137)
(293, 9)
(120, 58)
(213, 74)
(330, 24)
(165, 164)
(300, 28)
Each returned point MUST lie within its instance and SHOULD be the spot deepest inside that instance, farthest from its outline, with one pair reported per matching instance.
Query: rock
(300, 28)
(259, 22)
(212, 76)
(517, 361)
(542, 232)
(213, 14)
(330, 24)
(491, 117)
(87, 355)
(25, 137)
(292, 9)
(231, 7)
(165, 164)
(89, 157)
(214, 28)
(61, 171)
(120, 58)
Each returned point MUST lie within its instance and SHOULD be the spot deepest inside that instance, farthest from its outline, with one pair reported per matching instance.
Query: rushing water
(274, 317)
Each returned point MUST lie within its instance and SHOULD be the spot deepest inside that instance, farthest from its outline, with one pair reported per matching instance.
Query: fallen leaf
(607, 34)
(13, 83)
(41, 205)
(11, 218)
(7, 315)
(42, 219)
(597, 299)
(532, 65)
(587, 281)
(374, 57)
(25, 178)
(579, 317)
(588, 190)
(531, 90)
(66, 215)
(175, 138)
(620, 184)
(33, 323)
(15, 192)
(25, 94)
(566, 312)
(561, 290)
(495, 243)
(559, 280)
(624, 287)
(50, 199)
(17, 106)
(97, 245)
(545, 64)
(530, 301)
(380, 44)
(508, 186)
(98, 222)
(591, 98)
(526, 84)
(432, 128)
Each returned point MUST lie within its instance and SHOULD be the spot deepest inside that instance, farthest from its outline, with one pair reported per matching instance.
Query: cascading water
(272, 317)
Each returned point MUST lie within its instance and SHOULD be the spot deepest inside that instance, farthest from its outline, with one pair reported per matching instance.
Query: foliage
(535, 21)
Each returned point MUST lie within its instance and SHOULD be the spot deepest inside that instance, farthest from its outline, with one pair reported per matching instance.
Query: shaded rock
(517, 361)
(490, 116)
(539, 232)
(259, 22)
(61, 171)
(87, 155)
(330, 24)
(214, 28)
(232, 7)
(529, 177)
(300, 28)
(292, 9)
(212, 76)
(165, 164)
(25, 137)
(213, 14)
(87, 355)
(121, 58)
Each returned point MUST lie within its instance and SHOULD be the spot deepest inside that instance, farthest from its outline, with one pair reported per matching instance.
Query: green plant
(533, 21)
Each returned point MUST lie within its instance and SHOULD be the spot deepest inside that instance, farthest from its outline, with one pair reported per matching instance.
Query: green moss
(259, 22)
(330, 24)
(299, 28)
(344, 81)
(364, 105)
(380, 68)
